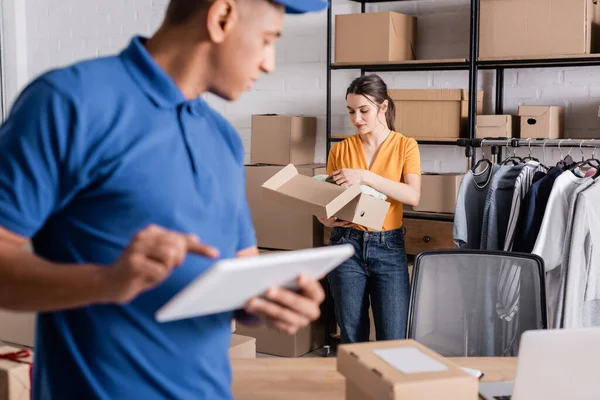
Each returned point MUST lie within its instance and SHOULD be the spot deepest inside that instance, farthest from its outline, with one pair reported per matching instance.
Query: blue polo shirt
(91, 154)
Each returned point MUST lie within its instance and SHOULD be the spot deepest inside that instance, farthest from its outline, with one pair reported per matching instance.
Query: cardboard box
(271, 341)
(314, 197)
(542, 122)
(383, 37)
(242, 347)
(17, 328)
(283, 139)
(439, 192)
(15, 376)
(278, 226)
(497, 126)
(529, 28)
(370, 377)
(433, 114)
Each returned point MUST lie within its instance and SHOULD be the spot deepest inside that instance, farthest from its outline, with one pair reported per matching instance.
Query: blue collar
(151, 78)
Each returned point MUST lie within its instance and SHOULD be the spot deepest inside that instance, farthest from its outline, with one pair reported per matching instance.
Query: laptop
(553, 365)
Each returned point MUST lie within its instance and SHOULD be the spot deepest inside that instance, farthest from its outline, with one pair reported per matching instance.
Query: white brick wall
(63, 31)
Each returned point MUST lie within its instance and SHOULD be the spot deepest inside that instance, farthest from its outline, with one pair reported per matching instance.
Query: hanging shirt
(497, 209)
(532, 211)
(397, 157)
(522, 185)
(582, 275)
(91, 154)
(509, 286)
(550, 243)
(470, 205)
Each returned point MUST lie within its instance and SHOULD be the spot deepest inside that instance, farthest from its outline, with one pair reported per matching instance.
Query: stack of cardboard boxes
(533, 122)
(279, 140)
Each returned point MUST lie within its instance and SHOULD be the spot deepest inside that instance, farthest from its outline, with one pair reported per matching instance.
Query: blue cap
(303, 6)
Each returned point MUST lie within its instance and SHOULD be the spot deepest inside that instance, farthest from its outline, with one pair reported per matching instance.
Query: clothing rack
(497, 144)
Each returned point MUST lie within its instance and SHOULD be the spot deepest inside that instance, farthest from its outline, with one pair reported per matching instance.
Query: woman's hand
(348, 176)
(333, 222)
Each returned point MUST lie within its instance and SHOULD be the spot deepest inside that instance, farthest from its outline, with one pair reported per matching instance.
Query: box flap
(533, 111)
(307, 194)
(283, 176)
(426, 94)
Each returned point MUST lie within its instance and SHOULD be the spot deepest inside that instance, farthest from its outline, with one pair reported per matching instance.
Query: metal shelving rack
(472, 64)
(416, 65)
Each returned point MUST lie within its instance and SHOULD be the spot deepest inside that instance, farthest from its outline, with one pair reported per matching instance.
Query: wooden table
(317, 378)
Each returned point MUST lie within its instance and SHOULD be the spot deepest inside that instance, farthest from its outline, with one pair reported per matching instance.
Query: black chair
(471, 303)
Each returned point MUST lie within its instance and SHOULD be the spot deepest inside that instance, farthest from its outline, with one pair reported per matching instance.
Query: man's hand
(288, 311)
(149, 260)
(349, 176)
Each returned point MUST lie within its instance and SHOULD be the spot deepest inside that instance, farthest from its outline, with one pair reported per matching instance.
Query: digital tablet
(230, 284)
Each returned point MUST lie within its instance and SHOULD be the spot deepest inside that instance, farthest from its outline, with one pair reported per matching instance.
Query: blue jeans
(378, 272)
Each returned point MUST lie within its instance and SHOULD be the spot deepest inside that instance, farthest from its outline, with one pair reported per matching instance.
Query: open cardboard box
(410, 371)
(324, 199)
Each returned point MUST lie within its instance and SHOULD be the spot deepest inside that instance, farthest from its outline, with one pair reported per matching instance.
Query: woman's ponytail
(390, 114)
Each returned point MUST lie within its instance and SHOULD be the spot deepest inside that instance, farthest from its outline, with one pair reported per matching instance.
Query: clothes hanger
(566, 161)
(529, 157)
(515, 160)
(543, 163)
(484, 159)
(590, 162)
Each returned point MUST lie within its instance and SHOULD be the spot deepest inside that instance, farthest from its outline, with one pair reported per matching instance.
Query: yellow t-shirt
(397, 157)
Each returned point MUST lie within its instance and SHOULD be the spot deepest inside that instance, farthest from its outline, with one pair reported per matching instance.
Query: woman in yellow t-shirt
(377, 274)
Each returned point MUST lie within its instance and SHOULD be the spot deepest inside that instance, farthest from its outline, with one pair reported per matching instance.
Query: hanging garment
(497, 208)
(553, 233)
(522, 185)
(582, 275)
(532, 212)
(470, 205)
(510, 283)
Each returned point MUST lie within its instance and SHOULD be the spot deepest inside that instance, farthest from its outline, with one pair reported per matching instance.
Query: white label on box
(410, 360)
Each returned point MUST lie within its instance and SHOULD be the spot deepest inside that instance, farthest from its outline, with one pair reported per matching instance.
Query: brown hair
(373, 86)
(179, 11)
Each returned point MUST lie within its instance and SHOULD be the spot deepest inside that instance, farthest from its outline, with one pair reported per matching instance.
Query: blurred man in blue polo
(130, 186)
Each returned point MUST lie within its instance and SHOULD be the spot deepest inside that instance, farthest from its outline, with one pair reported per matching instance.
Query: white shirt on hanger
(550, 243)
(582, 289)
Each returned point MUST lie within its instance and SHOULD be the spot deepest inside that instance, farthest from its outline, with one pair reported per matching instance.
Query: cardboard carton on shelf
(495, 126)
(283, 139)
(402, 369)
(533, 28)
(439, 192)
(382, 37)
(539, 122)
(278, 226)
(433, 114)
(325, 200)
(242, 347)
